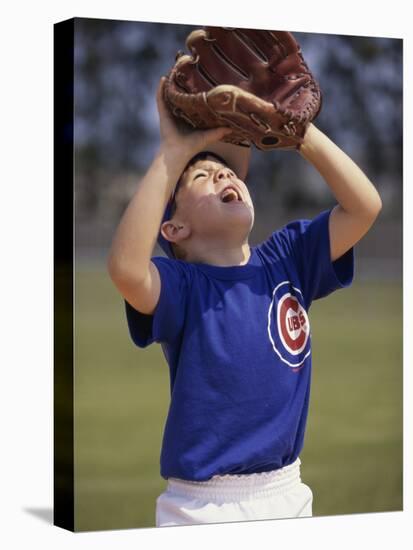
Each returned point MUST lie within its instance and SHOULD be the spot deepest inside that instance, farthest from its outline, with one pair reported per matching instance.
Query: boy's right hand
(183, 146)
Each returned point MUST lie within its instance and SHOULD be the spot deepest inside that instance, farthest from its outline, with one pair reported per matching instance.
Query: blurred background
(352, 457)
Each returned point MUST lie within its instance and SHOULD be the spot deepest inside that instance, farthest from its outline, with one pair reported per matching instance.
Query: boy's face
(214, 202)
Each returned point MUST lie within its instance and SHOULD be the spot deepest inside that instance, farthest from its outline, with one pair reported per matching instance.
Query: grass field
(352, 457)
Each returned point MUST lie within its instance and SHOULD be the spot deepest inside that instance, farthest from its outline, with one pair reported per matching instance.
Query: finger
(159, 93)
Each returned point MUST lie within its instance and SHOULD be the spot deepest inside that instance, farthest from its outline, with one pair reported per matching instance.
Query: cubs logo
(289, 326)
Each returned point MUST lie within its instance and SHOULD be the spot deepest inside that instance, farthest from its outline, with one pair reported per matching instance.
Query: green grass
(352, 457)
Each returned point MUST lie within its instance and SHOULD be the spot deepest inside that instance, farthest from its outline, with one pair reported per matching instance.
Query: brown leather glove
(253, 81)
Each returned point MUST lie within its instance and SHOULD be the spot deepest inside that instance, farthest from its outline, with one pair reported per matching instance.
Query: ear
(175, 231)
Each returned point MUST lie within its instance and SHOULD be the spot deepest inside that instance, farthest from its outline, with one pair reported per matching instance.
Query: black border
(63, 435)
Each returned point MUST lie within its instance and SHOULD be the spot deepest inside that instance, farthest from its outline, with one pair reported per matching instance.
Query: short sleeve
(307, 242)
(166, 323)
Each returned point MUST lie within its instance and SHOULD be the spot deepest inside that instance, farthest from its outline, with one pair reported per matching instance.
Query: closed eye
(200, 175)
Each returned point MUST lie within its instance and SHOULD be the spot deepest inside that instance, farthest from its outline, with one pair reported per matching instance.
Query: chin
(238, 218)
(241, 223)
(243, 216)
(243, 220)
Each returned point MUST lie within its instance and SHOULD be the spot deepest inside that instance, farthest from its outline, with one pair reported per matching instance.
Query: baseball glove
(253, 81)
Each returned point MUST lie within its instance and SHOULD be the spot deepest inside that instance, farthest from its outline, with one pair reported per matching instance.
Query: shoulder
(173, 266)
(174, 274)
(294, 230)
(283, 240)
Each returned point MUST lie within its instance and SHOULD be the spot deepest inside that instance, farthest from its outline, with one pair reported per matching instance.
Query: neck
(222, 255)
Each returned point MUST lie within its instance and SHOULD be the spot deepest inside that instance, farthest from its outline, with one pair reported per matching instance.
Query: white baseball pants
(270, 495)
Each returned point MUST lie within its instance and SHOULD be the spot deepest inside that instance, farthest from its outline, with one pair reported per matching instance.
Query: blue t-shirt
(238, 344)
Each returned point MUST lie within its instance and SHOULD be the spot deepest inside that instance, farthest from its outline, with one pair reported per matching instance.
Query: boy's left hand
(183, 144)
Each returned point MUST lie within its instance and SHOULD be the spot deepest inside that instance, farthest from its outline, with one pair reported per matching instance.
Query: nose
(224, 173)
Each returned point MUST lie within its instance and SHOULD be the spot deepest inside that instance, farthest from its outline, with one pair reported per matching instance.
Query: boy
(232, 319)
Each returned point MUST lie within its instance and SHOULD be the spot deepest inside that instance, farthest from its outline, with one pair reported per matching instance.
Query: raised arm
(129, 261)
(358, 201)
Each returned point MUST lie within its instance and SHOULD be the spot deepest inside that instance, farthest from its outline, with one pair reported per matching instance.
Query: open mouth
(230, 194)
